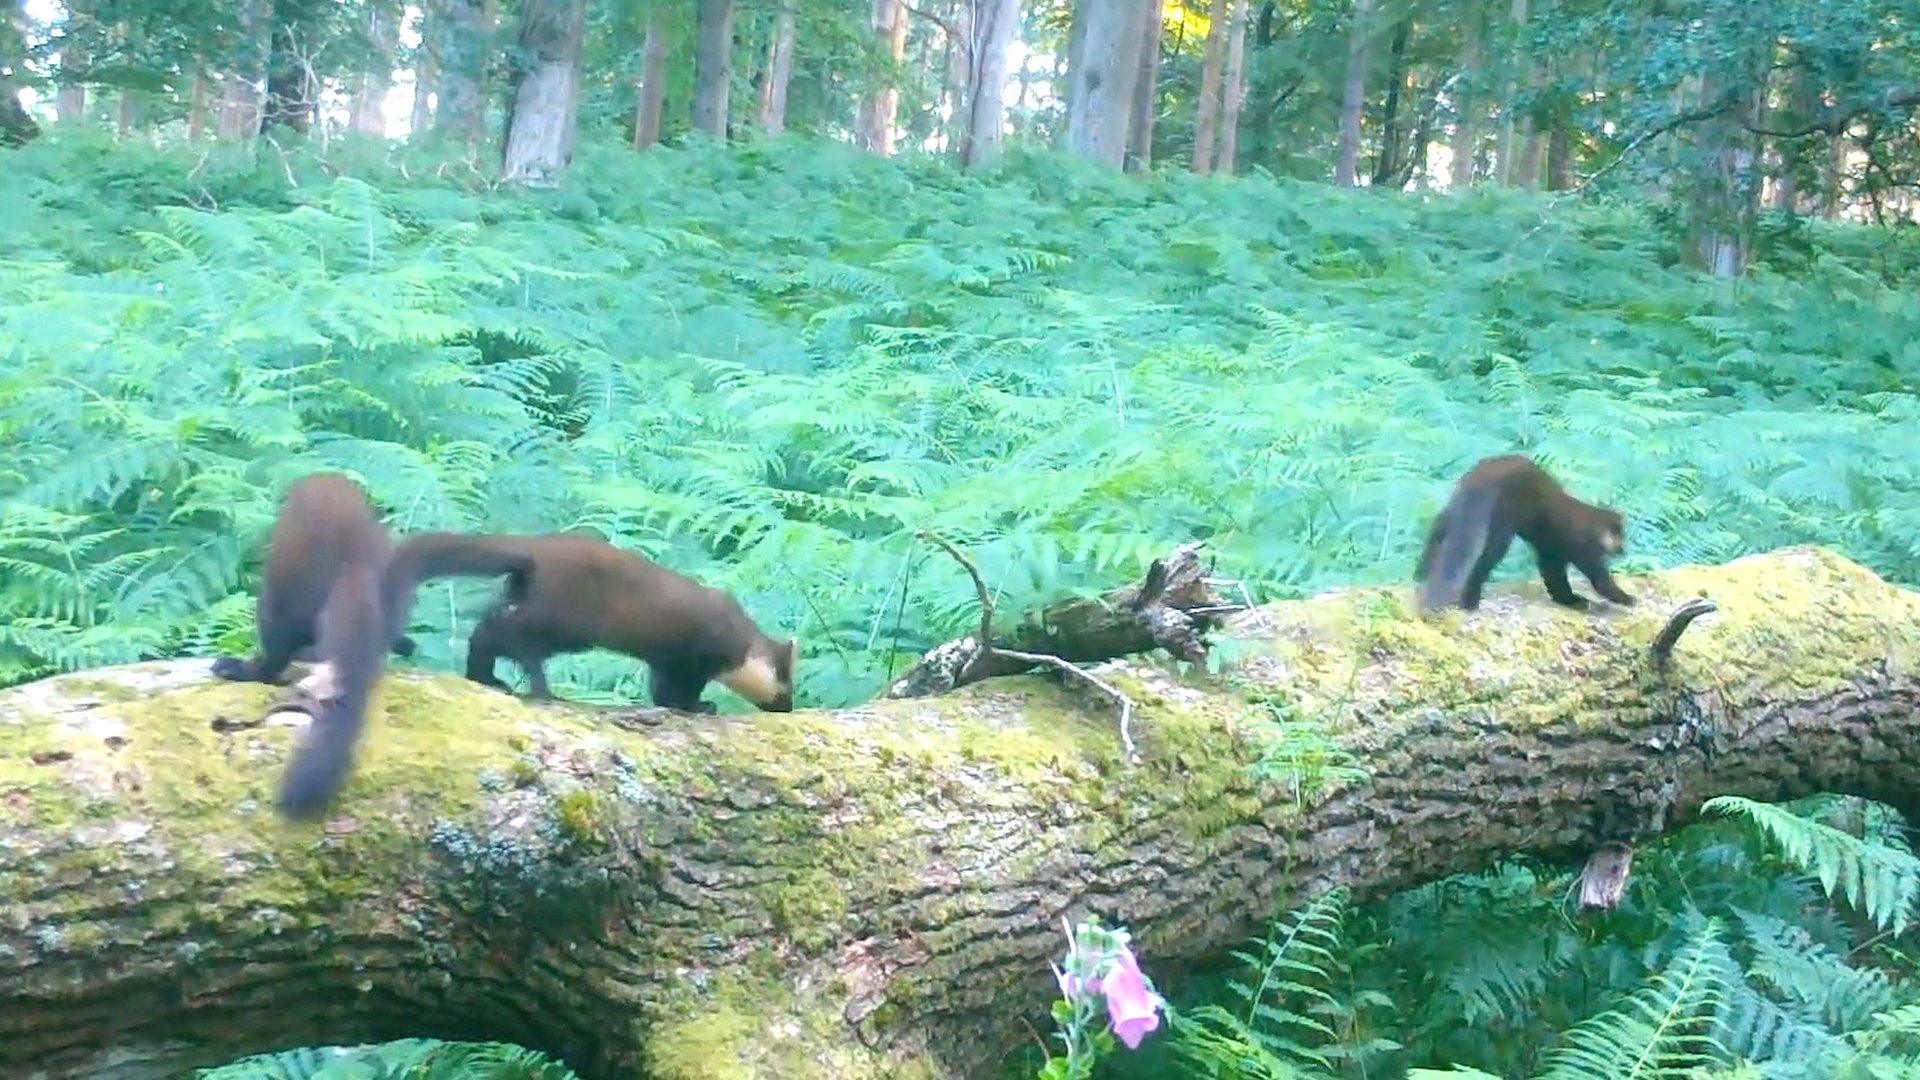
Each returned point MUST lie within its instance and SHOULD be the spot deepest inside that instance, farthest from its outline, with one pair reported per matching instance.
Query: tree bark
(653, 85)
(1803, 100)
(875, 131)
(712, 66)
(369, 114)
(461, 62)
(126, 113)
(1207, 109)
(1233, 91)
(1103, 64)
(1386, 164)
(1503, 164)
(293, 95)
(1353, 98)
(199, 102)
(821, 895)
(773, 88)
(1466, 95)
(70, 100)
(426, 69)
(17, 125)
(993, 28)
(1533, 146)
(1146, 91)
(546, 91)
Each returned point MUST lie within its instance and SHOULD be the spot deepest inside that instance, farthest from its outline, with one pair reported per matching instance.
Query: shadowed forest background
(763, 289)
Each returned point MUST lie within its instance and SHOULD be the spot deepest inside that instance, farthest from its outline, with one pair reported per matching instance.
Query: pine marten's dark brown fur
(567, 593)
(322, 600)
(1508, 496)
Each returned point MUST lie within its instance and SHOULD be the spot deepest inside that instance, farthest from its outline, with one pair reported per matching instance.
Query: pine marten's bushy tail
(355, 632)
(1460, 538)
(425, 556)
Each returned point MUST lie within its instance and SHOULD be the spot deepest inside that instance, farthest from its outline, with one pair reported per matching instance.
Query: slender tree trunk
(1146, 93)
(993, 30)
(958, 77)
(1467, 96)
(197, 109)
(773, 88)
(1722, 204)
(240, 99)
(1207, 109)
(653, 84)
(643, 900)
(17, 125)
(1386, 164)
(426, 68)
(126, 114)
(70, 101)
(1233, 92)
(1560, 155)
(463, 50)
(1503, 166)
(292, 94)
(1102, 70)
(712, 66)
(1803, 98)
(875, 132)
(1353, 98)
(1533, 146)
(369, 114)
(546, 91)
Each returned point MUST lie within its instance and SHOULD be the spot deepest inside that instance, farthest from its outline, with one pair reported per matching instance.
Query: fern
(1880, 881)
(1663, 1030)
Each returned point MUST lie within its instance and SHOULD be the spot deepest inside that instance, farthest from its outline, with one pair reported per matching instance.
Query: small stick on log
(1604, 881)
(983, 648)
(1171, 608)
(1677, 624)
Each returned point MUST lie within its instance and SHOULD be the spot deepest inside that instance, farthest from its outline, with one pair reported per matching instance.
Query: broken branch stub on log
(1172, 607)
(874, 891)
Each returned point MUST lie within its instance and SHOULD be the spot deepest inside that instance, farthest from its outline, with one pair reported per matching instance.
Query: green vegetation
(768, 367)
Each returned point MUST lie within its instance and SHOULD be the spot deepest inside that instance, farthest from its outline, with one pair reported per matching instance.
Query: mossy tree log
(874, 891)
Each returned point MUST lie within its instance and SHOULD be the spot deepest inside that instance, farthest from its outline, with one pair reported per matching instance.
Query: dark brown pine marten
(568, 593)
(1508, 496)
(322, 601)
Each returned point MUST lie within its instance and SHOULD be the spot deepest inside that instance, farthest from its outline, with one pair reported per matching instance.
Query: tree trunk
(465, 37)
(70, 100)
(879, 892)
(1353, 98)
(1803, 100)
(1233, 93)
(1560, 154)
(773, 88)
(126, 114)
(17, 125)
(369, 114)
(1503, 165)
(653, 85)
(1386, 164)
(1146, 94)
(961, 48)
(546, 91)
(240, 101)
(993, 28)
(1467, 96)
(1722, 204)
(1207, 109)
(426, 69)
(1103, 65)
(292, 91)
(875, 131)
(712, 67)
(199, 101)
(1533, 146)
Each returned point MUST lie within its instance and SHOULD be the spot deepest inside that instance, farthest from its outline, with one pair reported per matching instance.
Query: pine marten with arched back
(568, 593)
(1508, 496)
(322, 600)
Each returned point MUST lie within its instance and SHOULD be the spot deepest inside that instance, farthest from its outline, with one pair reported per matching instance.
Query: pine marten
(1508, 496)
(322, 601)
(568, 593)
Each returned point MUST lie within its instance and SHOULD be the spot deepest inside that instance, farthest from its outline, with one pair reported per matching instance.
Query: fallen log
(875, 891)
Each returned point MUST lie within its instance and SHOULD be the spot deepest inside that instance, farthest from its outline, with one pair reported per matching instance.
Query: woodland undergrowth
(769, 366)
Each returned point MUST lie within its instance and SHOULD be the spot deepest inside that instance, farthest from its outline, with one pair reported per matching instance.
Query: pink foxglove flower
(1132, 1006)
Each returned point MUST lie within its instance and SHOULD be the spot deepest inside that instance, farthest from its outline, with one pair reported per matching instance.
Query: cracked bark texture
(874, 891)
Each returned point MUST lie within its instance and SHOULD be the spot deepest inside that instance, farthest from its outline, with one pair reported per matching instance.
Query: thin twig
(979, 585)
(1677, 624)
(1125, 702)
